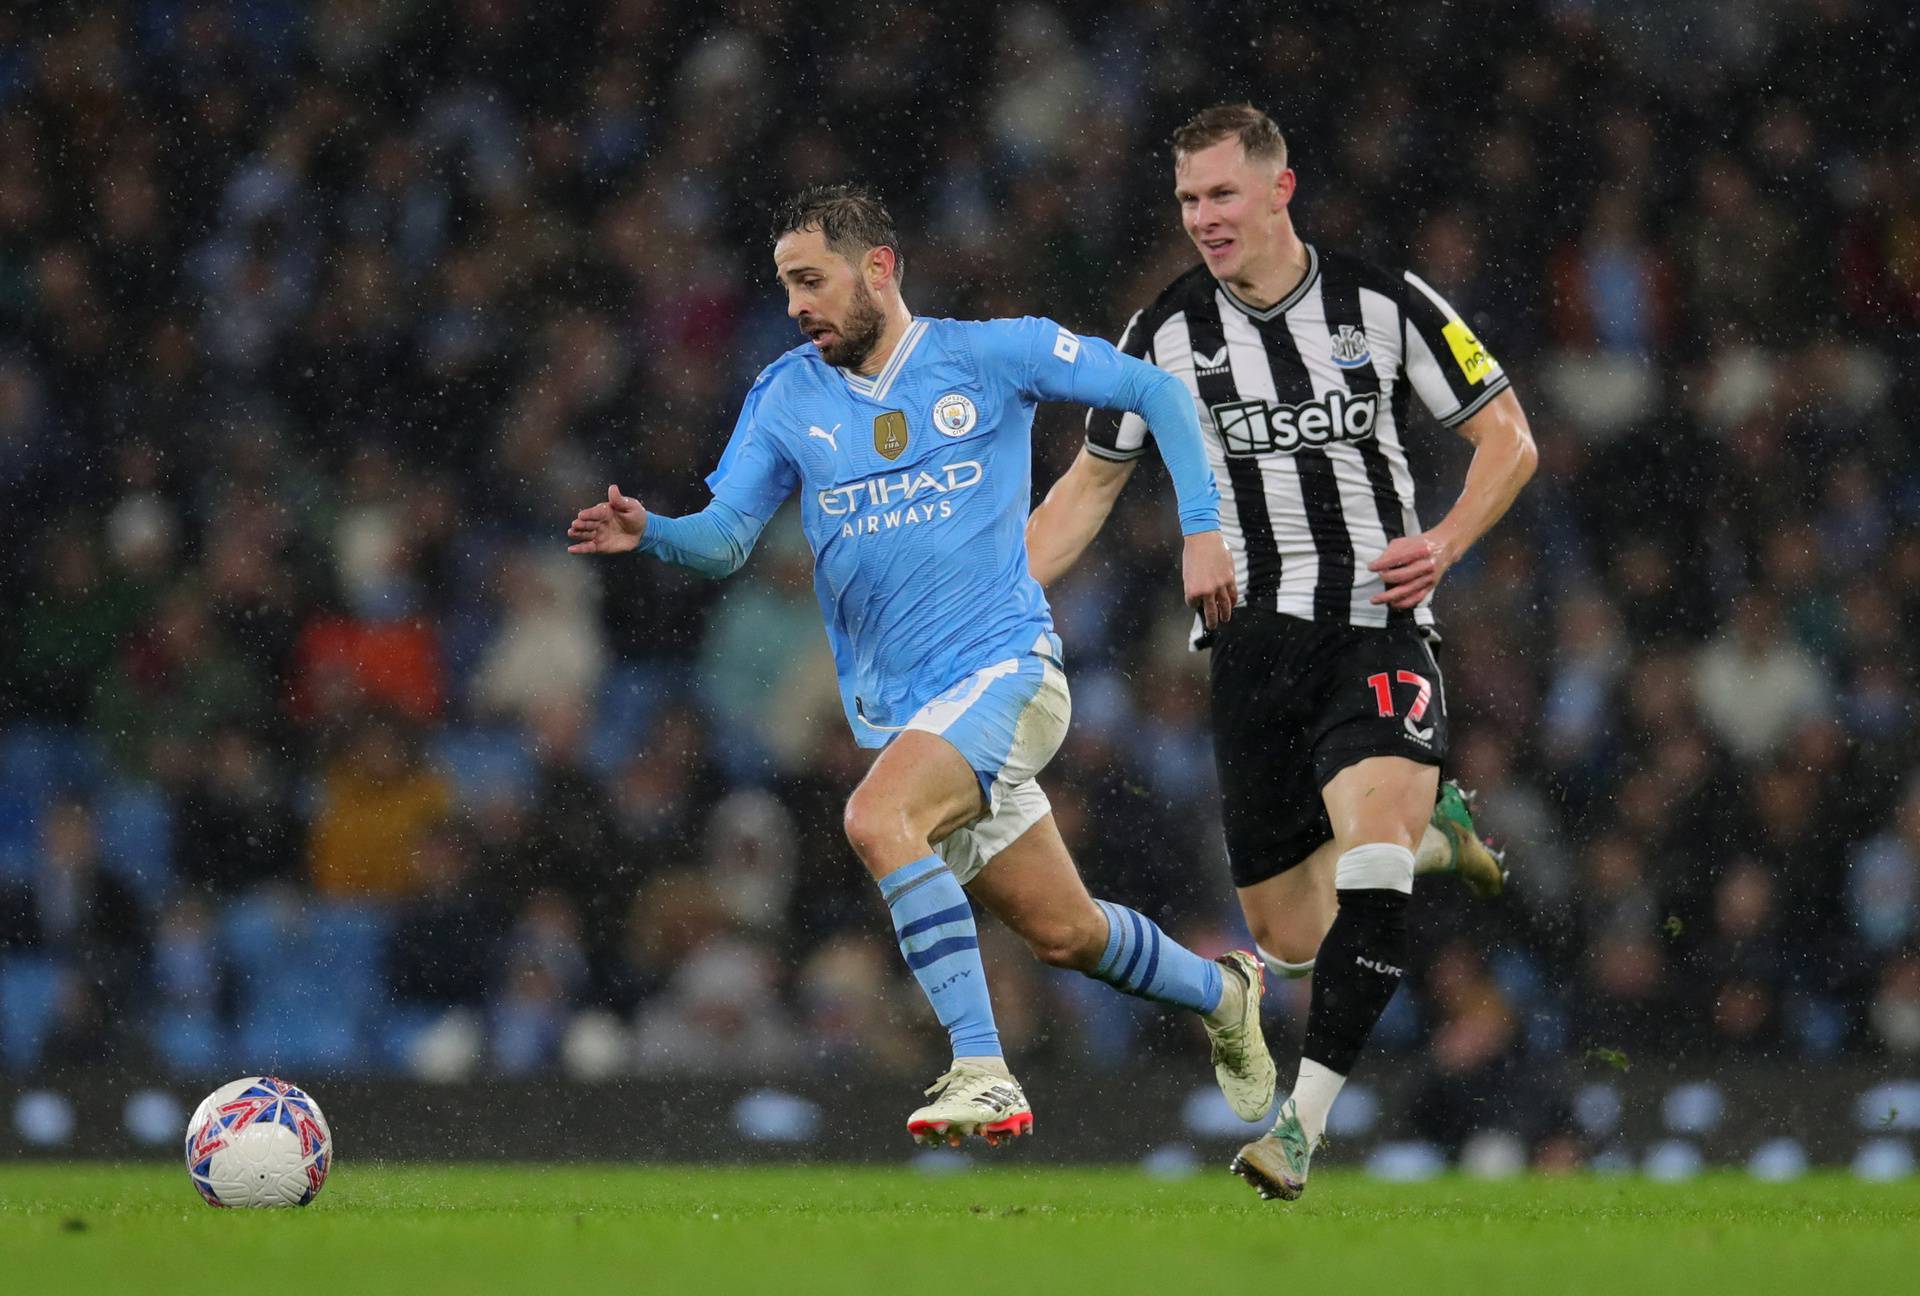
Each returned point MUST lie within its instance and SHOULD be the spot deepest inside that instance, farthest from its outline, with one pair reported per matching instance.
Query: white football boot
(1241, 1063)
(971, 1100)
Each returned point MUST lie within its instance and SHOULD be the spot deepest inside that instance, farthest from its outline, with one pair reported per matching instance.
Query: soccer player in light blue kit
(909, 443)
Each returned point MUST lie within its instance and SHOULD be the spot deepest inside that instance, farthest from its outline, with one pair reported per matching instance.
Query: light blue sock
(935, 925)
(1143, 960)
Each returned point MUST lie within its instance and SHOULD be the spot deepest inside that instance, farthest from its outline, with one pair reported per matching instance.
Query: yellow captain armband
(1468, 352)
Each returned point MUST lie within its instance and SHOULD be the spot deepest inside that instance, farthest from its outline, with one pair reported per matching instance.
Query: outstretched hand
(611, 527)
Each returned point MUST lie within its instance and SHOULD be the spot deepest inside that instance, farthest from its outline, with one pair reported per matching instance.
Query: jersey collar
(877, 387)
(1286, 303)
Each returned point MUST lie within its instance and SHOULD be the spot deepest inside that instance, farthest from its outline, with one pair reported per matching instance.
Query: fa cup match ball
(258, 1142)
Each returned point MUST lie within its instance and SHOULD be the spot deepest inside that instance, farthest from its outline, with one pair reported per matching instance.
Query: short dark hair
(851, 219)
(1254, 129)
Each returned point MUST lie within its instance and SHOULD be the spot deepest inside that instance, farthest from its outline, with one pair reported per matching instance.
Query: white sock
(1435, 854)
(992, 1065)
(1312, 1098)
(1281, 968)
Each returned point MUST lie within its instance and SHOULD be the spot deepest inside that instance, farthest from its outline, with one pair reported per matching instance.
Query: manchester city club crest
(1350, 349)
(954, 414)
(890, 434)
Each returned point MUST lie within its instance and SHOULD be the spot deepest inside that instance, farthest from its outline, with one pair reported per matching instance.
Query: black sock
(1357, 972)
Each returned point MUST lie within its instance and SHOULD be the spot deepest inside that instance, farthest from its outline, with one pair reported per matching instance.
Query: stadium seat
(282, 998)
(309, 979)
(136, 837)
(19, 825)
(1817, 1022)
(630, 697)
(471, 618)
(353, 941)
(396, 1030)
(294, 1028)
(485, 764)
(1542, 1015)
(38, 763)
(250, 930)
(29, 995)
(1519, 980)
(1548, 1030)
(189, 1043)
(53, 759)
(1399, 1027)
(1109, 1024)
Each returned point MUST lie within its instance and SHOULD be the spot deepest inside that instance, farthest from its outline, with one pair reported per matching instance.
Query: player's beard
(859, 333)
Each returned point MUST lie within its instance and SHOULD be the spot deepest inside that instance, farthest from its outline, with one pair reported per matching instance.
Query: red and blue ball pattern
(262, 1100)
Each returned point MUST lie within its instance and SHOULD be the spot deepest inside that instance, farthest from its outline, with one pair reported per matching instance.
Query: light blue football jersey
(914, 492)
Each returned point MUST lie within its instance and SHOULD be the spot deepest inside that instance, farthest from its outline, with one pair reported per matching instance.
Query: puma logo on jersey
(826, 436)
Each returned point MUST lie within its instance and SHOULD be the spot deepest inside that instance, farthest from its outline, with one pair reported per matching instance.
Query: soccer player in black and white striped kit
(1329, 714)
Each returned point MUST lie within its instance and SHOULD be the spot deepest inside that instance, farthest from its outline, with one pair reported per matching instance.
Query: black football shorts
(1294, 703)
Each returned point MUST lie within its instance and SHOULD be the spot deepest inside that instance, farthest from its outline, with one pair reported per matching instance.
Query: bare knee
(1289, 913)
(1384, 800)
(1074, 943)
(1290, 938)
(877, 831)
(1287, 943)
(1386, 833)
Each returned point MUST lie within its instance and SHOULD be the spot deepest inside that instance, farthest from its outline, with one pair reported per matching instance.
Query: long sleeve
(1167, 410)
(713, 542)
(1061, 365)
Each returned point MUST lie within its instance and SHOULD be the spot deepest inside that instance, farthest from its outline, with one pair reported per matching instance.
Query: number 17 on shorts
(1422, 697)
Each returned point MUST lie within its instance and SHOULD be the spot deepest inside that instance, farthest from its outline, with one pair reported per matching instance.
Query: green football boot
(1481, 868)
(1276, 1162)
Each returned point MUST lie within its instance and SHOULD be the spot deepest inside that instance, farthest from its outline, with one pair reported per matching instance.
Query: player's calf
(933, 922)
(1073, 943)
(1290, 912)
(1140, 959)
(1289, 941)
(1360, 966)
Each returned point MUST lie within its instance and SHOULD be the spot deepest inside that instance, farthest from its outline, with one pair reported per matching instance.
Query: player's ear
(1283, 188)
(883, 263)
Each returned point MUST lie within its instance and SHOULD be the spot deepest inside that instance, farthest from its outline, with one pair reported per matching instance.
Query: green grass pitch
(562, 1229)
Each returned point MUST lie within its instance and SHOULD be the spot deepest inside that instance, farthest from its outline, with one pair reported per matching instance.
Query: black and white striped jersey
(1304, 406)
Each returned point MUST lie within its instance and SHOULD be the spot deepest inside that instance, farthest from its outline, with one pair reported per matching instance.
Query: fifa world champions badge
(890, 434)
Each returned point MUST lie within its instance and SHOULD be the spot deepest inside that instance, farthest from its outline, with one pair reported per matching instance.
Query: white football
(258, 1142)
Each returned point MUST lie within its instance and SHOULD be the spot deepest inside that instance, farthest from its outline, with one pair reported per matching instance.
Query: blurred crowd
(318, 321)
